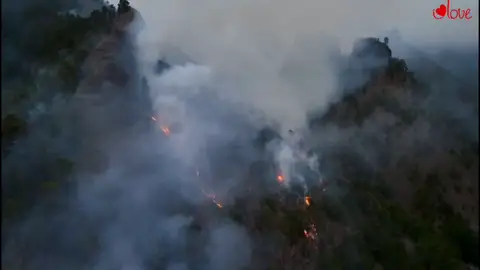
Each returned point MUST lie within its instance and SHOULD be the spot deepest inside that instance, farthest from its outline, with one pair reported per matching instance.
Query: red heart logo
(442, 10)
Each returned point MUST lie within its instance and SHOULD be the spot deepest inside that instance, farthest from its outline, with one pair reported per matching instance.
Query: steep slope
(105, 101)
(423, 157)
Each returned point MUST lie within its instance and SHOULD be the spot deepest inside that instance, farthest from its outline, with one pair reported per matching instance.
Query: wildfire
(213, 198)
(311, 232)
(165, 130)
(308, 200)
(280, 178)
(210, 196)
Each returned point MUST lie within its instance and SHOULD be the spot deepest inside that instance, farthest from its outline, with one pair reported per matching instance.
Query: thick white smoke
(280, 56)
(251, 61)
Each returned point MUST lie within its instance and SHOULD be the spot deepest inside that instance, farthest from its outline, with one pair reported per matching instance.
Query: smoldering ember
(195, 135)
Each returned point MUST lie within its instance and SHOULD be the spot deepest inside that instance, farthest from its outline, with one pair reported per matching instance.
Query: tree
(123, 6)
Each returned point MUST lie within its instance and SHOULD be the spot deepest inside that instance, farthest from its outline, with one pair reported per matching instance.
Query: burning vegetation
(356, 223)
(354, 211)
(163, 127)
(308, 200)
(280, 178)
(317, 227)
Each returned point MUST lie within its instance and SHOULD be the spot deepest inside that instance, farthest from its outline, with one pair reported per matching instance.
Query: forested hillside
(398, 190)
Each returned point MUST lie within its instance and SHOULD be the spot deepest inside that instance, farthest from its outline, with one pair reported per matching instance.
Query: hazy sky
(249, 43)
(345, 18)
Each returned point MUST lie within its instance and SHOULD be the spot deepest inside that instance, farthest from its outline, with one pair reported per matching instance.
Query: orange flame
(165, 130)
(308, 200)
(280, 178)
(213, 198)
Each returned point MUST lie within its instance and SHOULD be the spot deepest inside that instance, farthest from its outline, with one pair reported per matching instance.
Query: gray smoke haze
(282, 56)
(284, 59)
(238, 66)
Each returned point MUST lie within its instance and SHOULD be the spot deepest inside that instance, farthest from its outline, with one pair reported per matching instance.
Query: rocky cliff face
(102, 65)
(105, 101)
